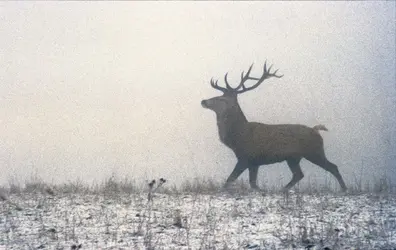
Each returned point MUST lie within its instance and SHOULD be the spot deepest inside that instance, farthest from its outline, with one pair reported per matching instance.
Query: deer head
(228, 101)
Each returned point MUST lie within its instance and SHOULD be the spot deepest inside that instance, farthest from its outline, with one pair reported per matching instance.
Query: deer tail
(320, 127)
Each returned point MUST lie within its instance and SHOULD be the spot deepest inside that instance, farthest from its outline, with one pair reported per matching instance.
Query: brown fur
(256, 144)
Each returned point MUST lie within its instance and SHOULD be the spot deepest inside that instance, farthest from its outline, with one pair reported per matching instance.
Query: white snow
(198, 221)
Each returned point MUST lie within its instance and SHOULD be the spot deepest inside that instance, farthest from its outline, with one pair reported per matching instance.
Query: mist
(91, 89)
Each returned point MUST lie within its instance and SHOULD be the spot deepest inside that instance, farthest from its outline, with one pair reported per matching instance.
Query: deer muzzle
(204, 103)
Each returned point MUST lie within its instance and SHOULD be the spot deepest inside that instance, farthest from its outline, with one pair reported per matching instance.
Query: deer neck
(229, 123)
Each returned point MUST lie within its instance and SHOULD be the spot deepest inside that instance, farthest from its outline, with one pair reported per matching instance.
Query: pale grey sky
(92, 88)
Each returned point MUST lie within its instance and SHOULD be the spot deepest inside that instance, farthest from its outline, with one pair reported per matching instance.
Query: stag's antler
(241, 88)
(216, 86)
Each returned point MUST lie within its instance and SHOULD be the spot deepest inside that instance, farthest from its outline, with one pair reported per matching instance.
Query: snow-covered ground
(221, 220)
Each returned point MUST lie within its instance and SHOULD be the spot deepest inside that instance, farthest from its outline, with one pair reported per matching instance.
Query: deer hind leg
(322, 162)
(238, 170)
(294, 165)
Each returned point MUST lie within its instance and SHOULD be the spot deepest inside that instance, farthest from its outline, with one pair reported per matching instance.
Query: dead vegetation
(196, 215)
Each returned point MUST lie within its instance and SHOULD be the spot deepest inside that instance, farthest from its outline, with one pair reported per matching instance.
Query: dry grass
(125, 214)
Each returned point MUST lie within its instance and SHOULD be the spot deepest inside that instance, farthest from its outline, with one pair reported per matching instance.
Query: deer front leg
(253, 170)
(238, 170)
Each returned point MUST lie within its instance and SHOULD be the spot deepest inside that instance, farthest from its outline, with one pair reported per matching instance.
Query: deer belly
(266, 160)
(273, 153)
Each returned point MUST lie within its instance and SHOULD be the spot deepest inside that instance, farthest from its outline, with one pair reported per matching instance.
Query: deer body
(256, 144)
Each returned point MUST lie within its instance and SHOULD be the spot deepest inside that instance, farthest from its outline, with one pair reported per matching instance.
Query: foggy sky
(88, 89)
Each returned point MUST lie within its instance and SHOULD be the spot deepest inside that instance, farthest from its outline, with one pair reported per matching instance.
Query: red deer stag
(256, 144)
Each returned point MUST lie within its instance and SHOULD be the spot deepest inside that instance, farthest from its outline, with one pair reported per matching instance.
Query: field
(198, 215)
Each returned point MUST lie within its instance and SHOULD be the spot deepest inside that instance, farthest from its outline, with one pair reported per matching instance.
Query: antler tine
(269, 69)
(265, 66)
(267, 73)
(245, 77)
(250, 69)
(274, 74)
(212, 83)
(226, 82)
(216, 86)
